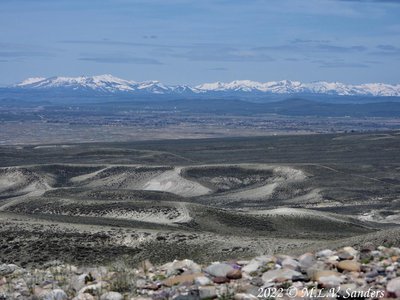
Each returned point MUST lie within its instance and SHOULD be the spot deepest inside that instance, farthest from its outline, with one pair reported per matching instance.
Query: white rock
(111, 296)
(57, 294)
(251, 267)
(256, 263)
(94, 287)
(393, 286)
(242, 296)
(350, 250)
(219, 269)
(207, 292)
(202, 280)
(84, 296)
(325, 253)
(270, 276)
(290, 263)
(181, 264)
(306, 261)
(333, 258)
(376, 253)
(328, 279)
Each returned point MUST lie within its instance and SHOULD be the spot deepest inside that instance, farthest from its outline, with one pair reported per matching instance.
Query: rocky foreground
(347, 273)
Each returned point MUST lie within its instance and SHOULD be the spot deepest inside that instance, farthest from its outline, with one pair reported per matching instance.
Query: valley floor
(211, 199)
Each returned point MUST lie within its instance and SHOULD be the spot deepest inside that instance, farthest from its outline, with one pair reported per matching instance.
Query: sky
(192, 42)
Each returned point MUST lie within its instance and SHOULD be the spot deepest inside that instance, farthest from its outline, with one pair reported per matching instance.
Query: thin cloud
(14, 50)
(218, 69)
(193, 52)
(338, 63)
(152, 37)
(386, 50)
(305, 46)
(122, 60)
(225, 54)
(108, 42)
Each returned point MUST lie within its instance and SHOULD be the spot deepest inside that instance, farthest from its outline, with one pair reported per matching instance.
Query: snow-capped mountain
(101, 83)
(111, 84)
(296, 87)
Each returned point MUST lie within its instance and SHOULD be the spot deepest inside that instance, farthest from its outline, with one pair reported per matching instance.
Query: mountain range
(108, 84)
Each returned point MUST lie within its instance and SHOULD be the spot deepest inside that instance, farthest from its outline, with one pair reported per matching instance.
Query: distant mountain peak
(30, 80)
(297, 87)
(110, 84)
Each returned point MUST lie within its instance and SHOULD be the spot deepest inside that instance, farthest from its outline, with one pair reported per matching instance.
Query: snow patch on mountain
(112, 84)
(30, 80)
(296, 87)
(105, 83)
(102, 83)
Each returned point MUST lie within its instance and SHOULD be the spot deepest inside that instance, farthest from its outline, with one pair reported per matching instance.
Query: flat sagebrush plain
(208, 199)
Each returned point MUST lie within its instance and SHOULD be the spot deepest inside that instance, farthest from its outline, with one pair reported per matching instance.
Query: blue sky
(182, 41)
